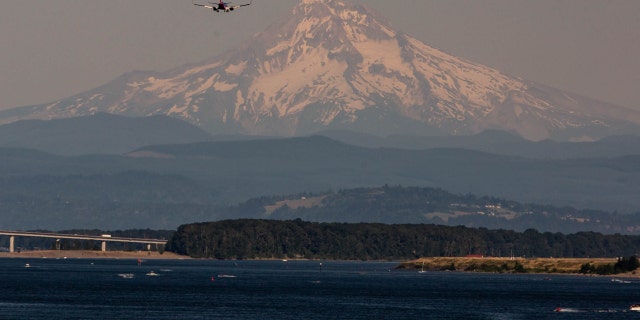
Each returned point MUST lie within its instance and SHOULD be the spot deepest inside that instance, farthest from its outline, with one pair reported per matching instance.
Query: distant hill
(104, 133)
(498, 142)
(395, 204)
(164, 186)
(100, 133)
(319, 163)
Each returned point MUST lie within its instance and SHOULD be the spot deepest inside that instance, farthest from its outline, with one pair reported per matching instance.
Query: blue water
(187, 289)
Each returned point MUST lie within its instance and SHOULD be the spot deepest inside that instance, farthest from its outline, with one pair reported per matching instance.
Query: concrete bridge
(102, 238)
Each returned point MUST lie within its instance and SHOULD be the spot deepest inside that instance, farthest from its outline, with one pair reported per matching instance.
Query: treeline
(266, 239)
(621, 266)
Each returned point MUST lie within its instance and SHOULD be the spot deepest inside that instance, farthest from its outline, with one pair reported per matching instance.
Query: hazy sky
(52, 49)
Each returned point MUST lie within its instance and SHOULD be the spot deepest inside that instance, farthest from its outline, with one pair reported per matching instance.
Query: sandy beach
(86, 254)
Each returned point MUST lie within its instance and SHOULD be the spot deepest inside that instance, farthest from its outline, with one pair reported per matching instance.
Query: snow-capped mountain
(335, 65)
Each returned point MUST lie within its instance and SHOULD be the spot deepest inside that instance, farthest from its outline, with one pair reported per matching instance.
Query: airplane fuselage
(223, 7)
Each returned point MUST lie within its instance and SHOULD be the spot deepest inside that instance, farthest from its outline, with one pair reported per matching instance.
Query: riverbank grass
(506, 265)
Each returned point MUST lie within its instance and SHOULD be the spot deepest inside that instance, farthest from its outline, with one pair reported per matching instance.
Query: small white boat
(620, 281)
(126, 275)
(635, 307)
(152, 273)
(26, 265)
(226, 276)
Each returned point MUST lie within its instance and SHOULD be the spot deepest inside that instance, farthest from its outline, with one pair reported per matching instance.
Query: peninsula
(519, 265)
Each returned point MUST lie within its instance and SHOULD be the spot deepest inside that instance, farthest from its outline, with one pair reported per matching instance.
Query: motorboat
(635, 307)
(152, 273)
(620, 281)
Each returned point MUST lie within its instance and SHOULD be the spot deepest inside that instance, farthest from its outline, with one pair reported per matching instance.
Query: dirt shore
(85, 254)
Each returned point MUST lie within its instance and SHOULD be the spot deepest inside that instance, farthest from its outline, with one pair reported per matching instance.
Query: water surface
(202, 289)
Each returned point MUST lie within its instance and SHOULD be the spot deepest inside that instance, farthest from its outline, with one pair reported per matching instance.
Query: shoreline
(88, 254)
(542, 266)
(554, 266)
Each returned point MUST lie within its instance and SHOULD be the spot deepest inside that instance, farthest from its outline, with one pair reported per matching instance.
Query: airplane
(222, 6)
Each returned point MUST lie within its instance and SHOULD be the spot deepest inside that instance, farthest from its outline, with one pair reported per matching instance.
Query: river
(205, 289)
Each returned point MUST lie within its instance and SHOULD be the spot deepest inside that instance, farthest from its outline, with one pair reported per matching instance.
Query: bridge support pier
(12, 242)
(104, 246)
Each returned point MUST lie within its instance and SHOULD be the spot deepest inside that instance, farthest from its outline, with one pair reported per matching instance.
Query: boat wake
(568, 310)
(575, 310)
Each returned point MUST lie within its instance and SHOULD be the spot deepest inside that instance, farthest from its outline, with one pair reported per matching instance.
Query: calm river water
(201, 289)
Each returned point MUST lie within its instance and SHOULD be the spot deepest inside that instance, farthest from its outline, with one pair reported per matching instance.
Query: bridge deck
(101, 238)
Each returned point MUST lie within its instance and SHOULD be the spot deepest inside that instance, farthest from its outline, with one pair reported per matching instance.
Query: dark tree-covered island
(297, 239)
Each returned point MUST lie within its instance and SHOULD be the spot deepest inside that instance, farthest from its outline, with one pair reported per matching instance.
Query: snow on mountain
(336, 65)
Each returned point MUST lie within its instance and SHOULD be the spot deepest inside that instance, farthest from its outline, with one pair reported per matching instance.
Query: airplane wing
(203, 5)
(243, 5)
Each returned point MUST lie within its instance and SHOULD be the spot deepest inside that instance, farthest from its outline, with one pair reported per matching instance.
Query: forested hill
(265, 239)
(395, 204)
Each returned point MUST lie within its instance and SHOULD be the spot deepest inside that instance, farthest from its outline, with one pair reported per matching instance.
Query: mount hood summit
(334, 65)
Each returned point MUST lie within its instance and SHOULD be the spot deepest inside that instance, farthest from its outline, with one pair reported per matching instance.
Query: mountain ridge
(98, 133)
(103, 133)
(125, 191)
